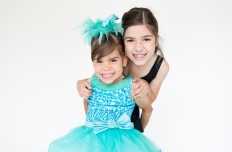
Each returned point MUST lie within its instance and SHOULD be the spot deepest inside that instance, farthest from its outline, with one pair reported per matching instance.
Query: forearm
(145, 117)
(85, 105)
(152, 96)
(145, 104)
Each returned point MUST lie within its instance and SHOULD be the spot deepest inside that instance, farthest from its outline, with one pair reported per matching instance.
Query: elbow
(153, 98)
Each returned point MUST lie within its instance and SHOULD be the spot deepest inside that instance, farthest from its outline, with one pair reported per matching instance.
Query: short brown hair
(108, 45)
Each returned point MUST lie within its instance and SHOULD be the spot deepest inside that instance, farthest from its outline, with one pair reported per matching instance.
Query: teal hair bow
(109, 18)
(100, 28)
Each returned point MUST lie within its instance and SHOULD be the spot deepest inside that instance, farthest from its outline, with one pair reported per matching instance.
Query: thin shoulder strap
(158, 62)
(154, 69)
(156, 65)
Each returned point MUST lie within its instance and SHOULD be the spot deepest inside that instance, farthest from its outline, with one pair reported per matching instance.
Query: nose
(138, 46)
(106, 66)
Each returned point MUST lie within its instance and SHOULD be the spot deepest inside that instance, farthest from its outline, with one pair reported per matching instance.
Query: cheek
(96, 68)
(128, 49)
(150, 47)
(118, 67)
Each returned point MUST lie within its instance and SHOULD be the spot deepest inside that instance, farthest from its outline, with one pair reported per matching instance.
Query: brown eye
(147, 39)
(130, 40)
(113, 60)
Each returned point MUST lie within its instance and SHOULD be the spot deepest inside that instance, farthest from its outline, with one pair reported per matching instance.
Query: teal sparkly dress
(108, 127)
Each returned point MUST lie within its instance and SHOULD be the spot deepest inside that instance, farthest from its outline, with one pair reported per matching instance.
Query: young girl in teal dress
(108, 127)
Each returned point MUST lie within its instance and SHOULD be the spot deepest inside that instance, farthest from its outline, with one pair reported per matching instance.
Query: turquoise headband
(100, 28)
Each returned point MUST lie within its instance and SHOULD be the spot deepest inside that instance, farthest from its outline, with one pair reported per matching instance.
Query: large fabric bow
(100, 28)
(112, 18)
(123, 122)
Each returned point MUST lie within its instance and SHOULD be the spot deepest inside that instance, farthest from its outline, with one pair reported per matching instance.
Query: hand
(84, 89)
(140, 88)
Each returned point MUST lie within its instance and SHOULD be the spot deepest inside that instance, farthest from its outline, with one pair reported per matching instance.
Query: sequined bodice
(109, 101)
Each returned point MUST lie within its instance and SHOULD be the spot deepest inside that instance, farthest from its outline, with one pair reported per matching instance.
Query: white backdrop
(42, 57)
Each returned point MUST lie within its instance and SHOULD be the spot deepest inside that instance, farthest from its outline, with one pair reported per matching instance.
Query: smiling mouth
(139, 56)
(108, 75)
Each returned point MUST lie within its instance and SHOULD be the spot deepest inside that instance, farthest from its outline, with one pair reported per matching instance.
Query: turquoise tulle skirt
(83, 139)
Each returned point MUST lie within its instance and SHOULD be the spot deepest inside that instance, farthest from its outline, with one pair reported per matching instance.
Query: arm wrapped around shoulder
(146, 105)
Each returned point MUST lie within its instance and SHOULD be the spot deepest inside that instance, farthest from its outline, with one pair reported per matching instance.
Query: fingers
(136, 79)
(87, 85)
(85, 93)
(85, 96)
(139, 88)
(140, 92)
(137, 82)
(84, 88)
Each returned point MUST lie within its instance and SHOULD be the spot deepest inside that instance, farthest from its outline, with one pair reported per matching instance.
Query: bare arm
(86, 105)
(145, 104)
(152, 92)
(84, 88)
(156, 83)
(142, 88)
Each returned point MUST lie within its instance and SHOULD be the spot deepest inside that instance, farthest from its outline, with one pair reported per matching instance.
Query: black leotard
(135, 117)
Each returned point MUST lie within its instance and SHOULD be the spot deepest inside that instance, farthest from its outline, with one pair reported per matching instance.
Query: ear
(124, 61)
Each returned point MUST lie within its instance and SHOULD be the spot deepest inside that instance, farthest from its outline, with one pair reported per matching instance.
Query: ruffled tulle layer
(82, 139)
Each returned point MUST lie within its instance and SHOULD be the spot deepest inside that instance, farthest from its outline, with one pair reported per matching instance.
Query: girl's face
(109, 68)
(140, 44)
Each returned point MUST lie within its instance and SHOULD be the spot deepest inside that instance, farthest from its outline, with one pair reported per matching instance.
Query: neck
(140, 70)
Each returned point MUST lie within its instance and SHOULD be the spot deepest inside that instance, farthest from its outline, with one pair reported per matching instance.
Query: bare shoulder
(161, 75)
(164, 68)
(156, 83)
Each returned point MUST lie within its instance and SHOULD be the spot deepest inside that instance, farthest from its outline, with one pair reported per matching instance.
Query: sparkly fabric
(108, 127)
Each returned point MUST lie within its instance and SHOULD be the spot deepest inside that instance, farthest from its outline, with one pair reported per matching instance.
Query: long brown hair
(142, 16)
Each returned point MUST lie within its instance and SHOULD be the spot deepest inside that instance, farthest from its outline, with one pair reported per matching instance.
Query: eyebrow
(148, 36)
(116, 57)
(142, 36)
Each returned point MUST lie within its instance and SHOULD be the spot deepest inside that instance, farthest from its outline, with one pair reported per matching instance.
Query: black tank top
(135, 117)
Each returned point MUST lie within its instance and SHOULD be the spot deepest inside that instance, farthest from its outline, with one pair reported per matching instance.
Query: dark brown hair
(142, 16)
(107, 46)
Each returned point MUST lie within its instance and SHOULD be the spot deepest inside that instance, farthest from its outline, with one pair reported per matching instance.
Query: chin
(139, 63)
(106, 82)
